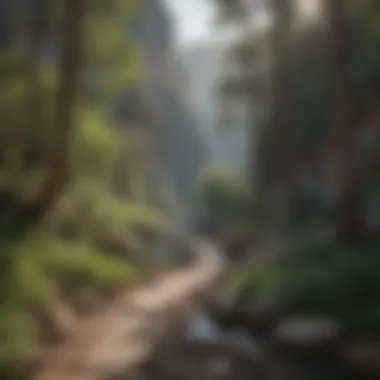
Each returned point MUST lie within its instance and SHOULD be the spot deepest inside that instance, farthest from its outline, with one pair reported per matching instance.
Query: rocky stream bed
(298, 349)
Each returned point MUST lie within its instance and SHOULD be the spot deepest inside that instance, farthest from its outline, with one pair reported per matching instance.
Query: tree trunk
(58, 168)
(282, 10)
(346, 108)
(36, 36)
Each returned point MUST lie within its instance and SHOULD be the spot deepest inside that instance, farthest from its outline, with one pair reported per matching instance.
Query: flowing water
(202, 328)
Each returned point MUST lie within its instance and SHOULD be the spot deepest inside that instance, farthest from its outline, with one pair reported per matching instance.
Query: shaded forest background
(314, 178)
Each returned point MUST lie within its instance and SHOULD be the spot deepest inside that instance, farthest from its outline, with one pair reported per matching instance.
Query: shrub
(225, 198)
(334, 280)
(331, 280)
(33, 272)
(81, 266)
(250, 283)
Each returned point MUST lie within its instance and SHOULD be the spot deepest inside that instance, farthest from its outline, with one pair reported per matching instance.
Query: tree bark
(34, 151)
(346, 125)
(70, 62)
(282, 10)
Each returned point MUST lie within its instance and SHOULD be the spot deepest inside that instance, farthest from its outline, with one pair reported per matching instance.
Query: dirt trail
(126, 332)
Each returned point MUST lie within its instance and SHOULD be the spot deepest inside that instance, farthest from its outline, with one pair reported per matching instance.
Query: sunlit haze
(193, 19)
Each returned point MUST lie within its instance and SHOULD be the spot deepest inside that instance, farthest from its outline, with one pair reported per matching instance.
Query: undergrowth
(38, 268)
(331, 280)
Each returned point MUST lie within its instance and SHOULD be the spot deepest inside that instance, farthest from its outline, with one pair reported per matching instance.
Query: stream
(201, 328)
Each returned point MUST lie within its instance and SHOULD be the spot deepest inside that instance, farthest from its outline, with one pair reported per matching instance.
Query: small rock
(364, 355)
(240, 342)
(311, 332)
(263, 307)
(220, 368)
(202, 328)
(261, 315)
(226, 315)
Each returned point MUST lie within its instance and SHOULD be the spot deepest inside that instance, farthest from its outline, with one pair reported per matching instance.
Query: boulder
(262, 313)
(225, 311)
(365, 355)
(227, 317)
(307, 333)
(220, 369)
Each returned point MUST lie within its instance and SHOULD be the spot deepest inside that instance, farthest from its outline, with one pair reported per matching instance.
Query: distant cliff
(180, 147)
(204, 72)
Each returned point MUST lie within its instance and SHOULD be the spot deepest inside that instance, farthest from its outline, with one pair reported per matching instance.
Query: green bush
(331, 280)
(34, 271)
(250, 283)
(341, 282)
(225, 197)
(80, 266)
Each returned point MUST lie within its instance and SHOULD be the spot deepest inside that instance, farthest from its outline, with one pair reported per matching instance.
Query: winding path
(129, 330)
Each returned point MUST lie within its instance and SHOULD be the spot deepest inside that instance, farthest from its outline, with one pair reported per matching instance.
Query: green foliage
(123, 7)
(96, 145)
(17, 336)
(334, 280)
(223, 193)
(36, 268)
(12, 64)
(330, 280)
(93, 206)
(227, 205)
(113, 59)
(252, 282)
(80, 266)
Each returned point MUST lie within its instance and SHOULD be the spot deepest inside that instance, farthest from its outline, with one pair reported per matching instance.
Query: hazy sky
(193, 18)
